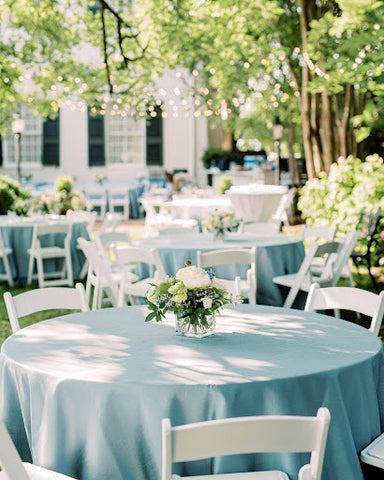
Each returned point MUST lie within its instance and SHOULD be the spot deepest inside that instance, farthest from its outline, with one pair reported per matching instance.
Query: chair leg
(84, 270)
(68, 262)
(30, 268)
(96, 294)
(7, 269)
(40, 271)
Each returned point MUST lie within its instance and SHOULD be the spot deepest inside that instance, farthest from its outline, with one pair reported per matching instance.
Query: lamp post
(277, 132)
(17, 129)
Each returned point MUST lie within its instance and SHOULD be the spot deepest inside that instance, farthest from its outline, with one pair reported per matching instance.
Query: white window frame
(140, 132)
(33, 127)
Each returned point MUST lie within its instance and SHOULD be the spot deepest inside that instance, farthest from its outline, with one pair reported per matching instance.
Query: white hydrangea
(194, 277)
(218, 284)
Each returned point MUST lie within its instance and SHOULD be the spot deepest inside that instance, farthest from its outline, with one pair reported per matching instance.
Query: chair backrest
(10, 460)
(89, 218)
(318, 233)
(120, 194)
(348, 298)
(337, 264)
(324, 250)
(106, 239)
(126, 255)
(260, 228)
(110, 222)
(99, 267)
(98, 194)
(285, 205)
(42, 299)
(221, 257)
(64, 228)
(246, 256)
(368, 222)
(243, 435)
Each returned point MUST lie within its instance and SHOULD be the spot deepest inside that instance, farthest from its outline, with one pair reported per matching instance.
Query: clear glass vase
(199, 327)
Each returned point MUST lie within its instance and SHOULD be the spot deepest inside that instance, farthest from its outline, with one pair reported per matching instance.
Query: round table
(17, 234)
(255, 203)
(85, 394)
(197, 207)
(275, 255)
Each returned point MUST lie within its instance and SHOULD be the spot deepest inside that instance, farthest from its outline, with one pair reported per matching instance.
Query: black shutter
(51, 142)
(96, 153)
(154, 139)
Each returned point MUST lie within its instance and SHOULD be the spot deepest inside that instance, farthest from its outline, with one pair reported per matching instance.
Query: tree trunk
(229, 142)
(326, 132)
(292, 162)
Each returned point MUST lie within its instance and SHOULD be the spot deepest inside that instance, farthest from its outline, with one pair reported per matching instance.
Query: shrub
(11, 192)
(64, 183)
(7, 200)
(338, 199)
(212, 156)
(225, 184)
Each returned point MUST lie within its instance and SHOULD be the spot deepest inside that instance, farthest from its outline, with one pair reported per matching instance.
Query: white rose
(194, 277)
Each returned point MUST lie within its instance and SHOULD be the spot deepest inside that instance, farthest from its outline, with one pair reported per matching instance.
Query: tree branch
(105, 52)
(121, 24)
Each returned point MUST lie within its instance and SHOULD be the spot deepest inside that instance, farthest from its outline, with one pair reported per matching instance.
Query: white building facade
(117, 146)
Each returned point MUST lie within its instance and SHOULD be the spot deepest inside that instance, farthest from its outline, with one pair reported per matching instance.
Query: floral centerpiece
(194, 295)
(221, 222)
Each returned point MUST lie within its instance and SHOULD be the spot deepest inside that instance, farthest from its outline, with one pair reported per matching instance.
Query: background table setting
(275, 255)
(17, 234)
(255, 202)
(84, 394)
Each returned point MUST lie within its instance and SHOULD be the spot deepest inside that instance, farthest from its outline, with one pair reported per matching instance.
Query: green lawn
(362, 280)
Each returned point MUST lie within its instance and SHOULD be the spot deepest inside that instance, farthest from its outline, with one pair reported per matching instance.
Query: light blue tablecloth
(17, 234)
(85, 394)
(275, 255)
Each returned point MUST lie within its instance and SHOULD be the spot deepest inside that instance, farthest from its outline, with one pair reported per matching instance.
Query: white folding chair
(246, 256)
(303, 279)
(97, 198)
(318, 233)
(100, 276)
(4, 252)
(89, 218)
(281, 214)
(260, 228)
(157, 220)
(39, 253)
(106, 244)
(44, 299)
(119, 198)
(110, 222)
(334, 254)
(14, 469)
(348, 298)
(242, 435)
(126, 256)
